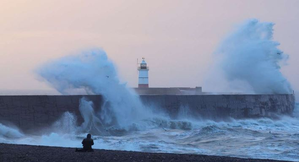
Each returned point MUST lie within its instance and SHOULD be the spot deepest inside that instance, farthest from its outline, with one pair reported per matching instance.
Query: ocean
(248, 138)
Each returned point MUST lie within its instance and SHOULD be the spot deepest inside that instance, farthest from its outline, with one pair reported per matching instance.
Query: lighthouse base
(142, 85)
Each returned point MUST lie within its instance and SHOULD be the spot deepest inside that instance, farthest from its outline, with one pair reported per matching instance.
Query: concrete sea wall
(34, 112)
(30, 113)
(223, 106)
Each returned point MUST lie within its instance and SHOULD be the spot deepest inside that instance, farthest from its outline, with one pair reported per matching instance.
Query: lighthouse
(143, 74)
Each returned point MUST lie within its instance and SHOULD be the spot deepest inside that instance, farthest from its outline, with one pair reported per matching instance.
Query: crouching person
(87, 143)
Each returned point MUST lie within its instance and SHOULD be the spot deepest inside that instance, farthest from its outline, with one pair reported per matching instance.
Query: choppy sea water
(251, 138)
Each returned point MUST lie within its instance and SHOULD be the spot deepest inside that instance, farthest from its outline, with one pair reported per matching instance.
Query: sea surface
(250, 138)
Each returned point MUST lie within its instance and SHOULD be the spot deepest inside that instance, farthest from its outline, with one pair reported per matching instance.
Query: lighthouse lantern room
(143, 74)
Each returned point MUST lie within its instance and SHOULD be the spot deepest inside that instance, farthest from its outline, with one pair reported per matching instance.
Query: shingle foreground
(15, 153)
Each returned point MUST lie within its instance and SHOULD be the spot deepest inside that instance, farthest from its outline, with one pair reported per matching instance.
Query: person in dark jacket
(87, 143)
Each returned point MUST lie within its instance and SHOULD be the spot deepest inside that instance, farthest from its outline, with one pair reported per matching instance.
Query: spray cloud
(249, 60)
(93, 71)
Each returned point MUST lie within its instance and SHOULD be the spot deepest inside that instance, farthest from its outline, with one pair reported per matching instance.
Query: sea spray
(9, 132)
(248, 60)
(67, 124)
(94, 72)
(92, 123)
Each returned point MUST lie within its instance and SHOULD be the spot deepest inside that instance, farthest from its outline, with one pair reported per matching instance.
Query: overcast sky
(177, 37)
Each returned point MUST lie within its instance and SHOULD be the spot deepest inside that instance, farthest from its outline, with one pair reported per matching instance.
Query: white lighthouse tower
(143, 74)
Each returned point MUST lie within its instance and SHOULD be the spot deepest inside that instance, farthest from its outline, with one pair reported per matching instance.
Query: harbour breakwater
(30, 113)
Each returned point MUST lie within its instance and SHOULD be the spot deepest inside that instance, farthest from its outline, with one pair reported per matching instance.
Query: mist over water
(248, 60)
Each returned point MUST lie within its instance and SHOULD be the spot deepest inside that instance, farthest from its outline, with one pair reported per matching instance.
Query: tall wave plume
(248, 60)
(94, 72)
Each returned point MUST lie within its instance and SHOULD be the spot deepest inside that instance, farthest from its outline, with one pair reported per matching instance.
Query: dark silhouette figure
(87, 143)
